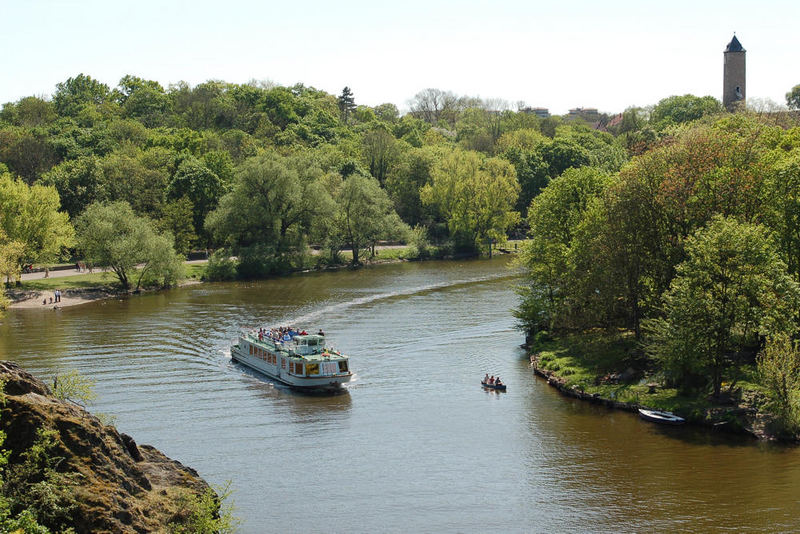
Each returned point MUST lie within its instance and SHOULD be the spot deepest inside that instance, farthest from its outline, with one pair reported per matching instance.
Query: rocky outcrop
(123, 487)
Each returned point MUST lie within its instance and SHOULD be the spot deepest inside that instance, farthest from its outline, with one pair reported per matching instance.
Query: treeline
(262, 171)
(694, 246)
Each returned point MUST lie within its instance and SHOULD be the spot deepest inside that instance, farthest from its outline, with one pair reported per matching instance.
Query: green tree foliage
(74, 387)
(793, 97)
(35, 494)
(779, 373)
(11, 253)
(380, 152)
(26, 152)
(30, 215)
(387, 112)
(476, 197)
(412, 173)
(346, 103)
(365, 215)
(29, 112)
(731, 289)
(76, 94)
(143, 100)
(554, 218)
(176, 219)
(79, 182)
(274, 202)
(202, 186)
(680, 109)
(112, 235)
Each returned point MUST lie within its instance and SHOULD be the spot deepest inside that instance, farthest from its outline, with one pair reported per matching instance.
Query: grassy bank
(610, 367)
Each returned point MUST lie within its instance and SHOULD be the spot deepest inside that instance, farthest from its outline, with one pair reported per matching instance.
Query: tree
(76, 93)
(200, 185)
(680, 109)
(29, 112)
(434, 105)
(30, 215)
(380, 152)
(347, 104)
(413, 171)
(793, 98)
(79, 182)
(731, 289)
(365, 214)
(176, 219)
(27, 153)
(112, 235)
(387, 112)
(475, 196)
(555, 216)
(144, 100)
(274, 202)
(779, 373)
(11, 253)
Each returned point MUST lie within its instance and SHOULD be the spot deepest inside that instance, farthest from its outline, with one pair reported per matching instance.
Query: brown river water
(413, 444)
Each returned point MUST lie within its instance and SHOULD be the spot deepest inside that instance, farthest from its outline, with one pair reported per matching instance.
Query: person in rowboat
(491, 381)
(497, 382)
(486, 379)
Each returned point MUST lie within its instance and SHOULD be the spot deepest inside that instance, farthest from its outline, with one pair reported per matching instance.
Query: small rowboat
(665, 418)
(498, 387)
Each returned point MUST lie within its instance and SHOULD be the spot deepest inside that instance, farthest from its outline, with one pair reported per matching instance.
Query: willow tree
(112, 235)
(475, 196)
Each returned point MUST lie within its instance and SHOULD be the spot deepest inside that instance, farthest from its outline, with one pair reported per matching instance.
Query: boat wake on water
(312, 316)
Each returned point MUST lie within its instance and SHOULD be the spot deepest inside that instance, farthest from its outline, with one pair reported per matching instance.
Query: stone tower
(733, 83)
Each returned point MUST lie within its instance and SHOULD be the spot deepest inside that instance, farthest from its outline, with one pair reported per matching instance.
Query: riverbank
(608, 369)
(78, 288)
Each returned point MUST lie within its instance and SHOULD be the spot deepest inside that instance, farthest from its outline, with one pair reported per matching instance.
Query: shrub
(221, 266)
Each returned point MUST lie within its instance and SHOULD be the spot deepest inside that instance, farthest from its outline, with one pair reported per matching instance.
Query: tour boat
(656, 416)
(498, 387)
(300, 361)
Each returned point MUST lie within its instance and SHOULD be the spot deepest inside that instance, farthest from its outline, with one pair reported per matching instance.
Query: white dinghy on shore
(665, 418)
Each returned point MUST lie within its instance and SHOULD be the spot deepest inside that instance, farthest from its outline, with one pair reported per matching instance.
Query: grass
(583, 360)
(94, 280)
(79, 281)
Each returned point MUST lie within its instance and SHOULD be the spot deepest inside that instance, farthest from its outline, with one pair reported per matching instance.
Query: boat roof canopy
(310, 339)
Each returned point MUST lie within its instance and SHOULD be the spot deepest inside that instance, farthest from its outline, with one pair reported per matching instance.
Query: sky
(561, 54)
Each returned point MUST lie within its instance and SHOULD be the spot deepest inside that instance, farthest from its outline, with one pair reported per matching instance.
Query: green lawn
(100, 279)
(583, 360)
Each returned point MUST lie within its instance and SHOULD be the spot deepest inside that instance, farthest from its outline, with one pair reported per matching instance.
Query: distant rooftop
(734, 46)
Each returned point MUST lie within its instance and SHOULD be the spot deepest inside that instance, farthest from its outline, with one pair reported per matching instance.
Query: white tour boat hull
(280, 374)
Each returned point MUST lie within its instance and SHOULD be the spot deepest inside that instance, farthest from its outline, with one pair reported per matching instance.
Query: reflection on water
(413, 443)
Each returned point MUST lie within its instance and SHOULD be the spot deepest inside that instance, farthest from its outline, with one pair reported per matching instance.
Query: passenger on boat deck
(303, 333)
(321, 333)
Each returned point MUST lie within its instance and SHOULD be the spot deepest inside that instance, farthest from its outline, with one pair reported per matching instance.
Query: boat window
(283, 363)
(312, 369)
(343, 366)
(251, 349)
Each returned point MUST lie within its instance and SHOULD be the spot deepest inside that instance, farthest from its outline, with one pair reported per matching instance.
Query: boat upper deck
(309, 347)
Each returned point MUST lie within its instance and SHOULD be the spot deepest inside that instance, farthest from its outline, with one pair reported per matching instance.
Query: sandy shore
(69, 297)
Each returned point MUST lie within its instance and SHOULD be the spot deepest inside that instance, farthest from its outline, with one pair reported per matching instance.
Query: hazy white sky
(560, 54)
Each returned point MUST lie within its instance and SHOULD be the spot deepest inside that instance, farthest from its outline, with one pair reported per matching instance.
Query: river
(413, 444)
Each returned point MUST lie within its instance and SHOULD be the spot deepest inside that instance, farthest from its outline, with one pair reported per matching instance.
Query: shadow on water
(267, 388)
